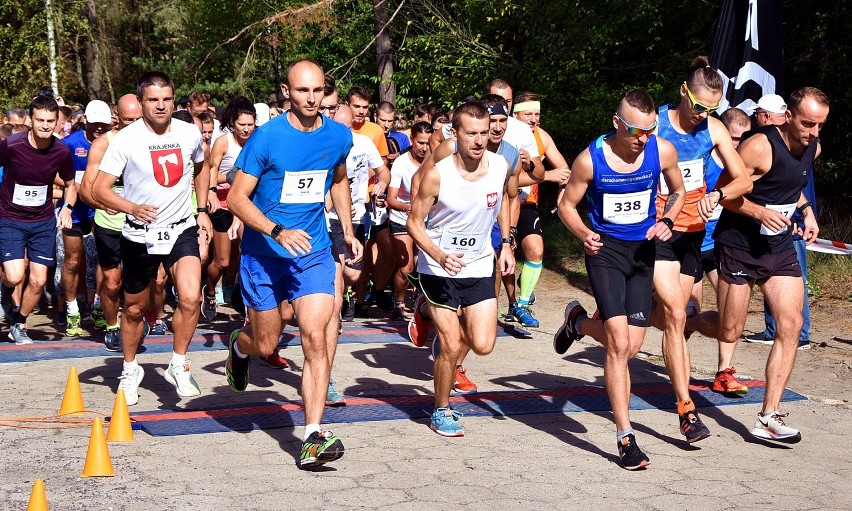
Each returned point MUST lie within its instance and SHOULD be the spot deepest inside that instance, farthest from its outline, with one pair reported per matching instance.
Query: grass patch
(563, 252)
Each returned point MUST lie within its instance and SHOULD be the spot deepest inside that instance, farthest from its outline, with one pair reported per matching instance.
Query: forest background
(579, 55)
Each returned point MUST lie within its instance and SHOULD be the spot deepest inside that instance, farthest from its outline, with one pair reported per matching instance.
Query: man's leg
(802, 255)
(447, 324)
(186, 274)
(71, 266)
(671, 298)
(314, 313)
(35, 286)
(783, 295)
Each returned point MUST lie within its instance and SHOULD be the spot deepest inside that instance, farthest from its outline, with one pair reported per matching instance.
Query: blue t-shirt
(508, 151)
(712, 171)
(622, 204)
(401, 139)
(80, 147)
(295, 170)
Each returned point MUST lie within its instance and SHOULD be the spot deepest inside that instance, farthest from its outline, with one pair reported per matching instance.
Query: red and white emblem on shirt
(168, 166)
(492, 200)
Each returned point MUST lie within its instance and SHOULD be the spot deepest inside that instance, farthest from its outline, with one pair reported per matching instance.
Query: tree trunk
(384, 57)
(94, 72)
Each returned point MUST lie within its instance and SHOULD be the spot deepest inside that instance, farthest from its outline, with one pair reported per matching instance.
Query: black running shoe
(567, 333)
(236, 368)
(632, 457)
(347, 315)
(692, 427)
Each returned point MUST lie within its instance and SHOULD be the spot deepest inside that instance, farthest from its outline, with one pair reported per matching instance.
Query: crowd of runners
(306, 211)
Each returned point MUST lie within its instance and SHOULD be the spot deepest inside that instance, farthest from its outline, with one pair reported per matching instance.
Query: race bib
(626, 208)
(160, 240)
(306, 187)
(29, 195)
(692, 172)
(717, 212)
(468, 244)
(786, 210)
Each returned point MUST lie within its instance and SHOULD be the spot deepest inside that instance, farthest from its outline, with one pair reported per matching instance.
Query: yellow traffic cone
(38, 499)
(120, 429)
(72, 401)
(98, 463)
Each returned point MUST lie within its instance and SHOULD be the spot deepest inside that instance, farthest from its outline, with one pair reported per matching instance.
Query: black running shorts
(622, 277)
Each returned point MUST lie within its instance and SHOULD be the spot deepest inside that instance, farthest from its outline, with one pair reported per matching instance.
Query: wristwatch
(276, 230)
(668, 223)
(202, 210)
(721, 195)
(507, 241)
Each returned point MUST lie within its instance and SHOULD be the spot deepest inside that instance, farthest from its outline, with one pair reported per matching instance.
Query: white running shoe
(129, 383)
(771, 427)
(182, 379)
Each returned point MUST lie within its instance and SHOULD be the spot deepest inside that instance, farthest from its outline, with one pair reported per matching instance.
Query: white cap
(772, 103)
(262, 110)
(98, 111)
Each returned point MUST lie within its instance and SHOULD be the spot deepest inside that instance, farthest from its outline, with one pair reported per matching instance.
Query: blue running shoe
(524, 316)
(334, 398)
(445, 422)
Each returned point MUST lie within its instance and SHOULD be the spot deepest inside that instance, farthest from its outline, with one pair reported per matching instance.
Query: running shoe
(320, 448)
(692, 427)
(73, 328)
(445, 422)
(160, 327)
(726, 383)
(129, 382)
(18, 334)
(398, 312)
(97, 316)
(771, 426)
(348, 313)
(360, 311)
(274, 360)
(632, 457)
(567, 333)
(112, 339)
(461, 383)
(208, 305)
(804, 345)
(758, 338)
(419, 325)
(236, 368)
(524, 316)
(332, 397)
(181, 378)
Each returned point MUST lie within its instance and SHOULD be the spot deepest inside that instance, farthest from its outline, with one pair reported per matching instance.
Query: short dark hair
(422, 127)
(386, 107)
(423, 109)
(158, 78)
(358, 91)
(640, 100)
(527, 96)
(198, 97)
(498, 83)
(330, 86)
(736, 116)
(702, 75)
(470, 109)
(206, 117)
(44, 102)
(16, 111)
(6, 130)
(801, 93)
(236, 107)
(183, 115)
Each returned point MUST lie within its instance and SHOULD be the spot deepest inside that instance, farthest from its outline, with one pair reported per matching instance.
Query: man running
(754, 244)
(619, 174)
(462, 195)
(32, 160)
(284, 172)
(157, 160)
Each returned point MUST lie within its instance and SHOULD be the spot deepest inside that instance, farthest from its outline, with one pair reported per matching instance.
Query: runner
(160, 227)
(31, 161)
(754, 244)
(284, 173)
(462, 195)
(618, 174)
(98, 122)
(108, 225)
(694, 135)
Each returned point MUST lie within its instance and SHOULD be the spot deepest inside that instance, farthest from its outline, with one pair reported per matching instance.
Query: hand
(707, 204)
(773, 220)
(63, 221)
(560, 175)
(234, 229)
(205, 228)
(212, 201)
(525, 158)
(506, 262)
(592, 243)
(294, 240)
(379, 188)
(355, 249)
(453, 264)
(810, 228)
(144, 213)
(660, 231)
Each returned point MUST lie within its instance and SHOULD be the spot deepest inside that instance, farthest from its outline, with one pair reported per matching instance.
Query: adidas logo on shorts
(638, 316)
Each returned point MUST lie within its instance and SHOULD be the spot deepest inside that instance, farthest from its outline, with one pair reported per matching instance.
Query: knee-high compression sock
(529, 278)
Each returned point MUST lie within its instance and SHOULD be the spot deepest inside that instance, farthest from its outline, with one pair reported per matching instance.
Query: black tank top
(781, 185)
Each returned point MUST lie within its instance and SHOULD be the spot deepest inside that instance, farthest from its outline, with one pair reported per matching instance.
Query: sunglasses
(698, 106)
(636, 131)
(330, 108)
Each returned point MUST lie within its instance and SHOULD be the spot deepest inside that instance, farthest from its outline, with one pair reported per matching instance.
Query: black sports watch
(507, 241)
(276, 230)
(668, 223)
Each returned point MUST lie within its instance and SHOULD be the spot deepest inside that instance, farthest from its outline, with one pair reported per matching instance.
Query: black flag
(747, 52)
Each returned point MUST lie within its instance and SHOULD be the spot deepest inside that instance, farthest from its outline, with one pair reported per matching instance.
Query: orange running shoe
(461, 383)
(419, 325)
(275, 360)
(726, 383)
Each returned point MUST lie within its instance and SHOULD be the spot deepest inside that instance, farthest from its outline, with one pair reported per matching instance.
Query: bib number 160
(463, 242)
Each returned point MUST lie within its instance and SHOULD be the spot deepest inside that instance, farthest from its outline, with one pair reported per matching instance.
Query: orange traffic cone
(72, 401)
(38, 500)
(120, 429)
(98, 463)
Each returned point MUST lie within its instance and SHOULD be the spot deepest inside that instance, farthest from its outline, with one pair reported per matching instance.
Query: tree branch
(351, 62)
